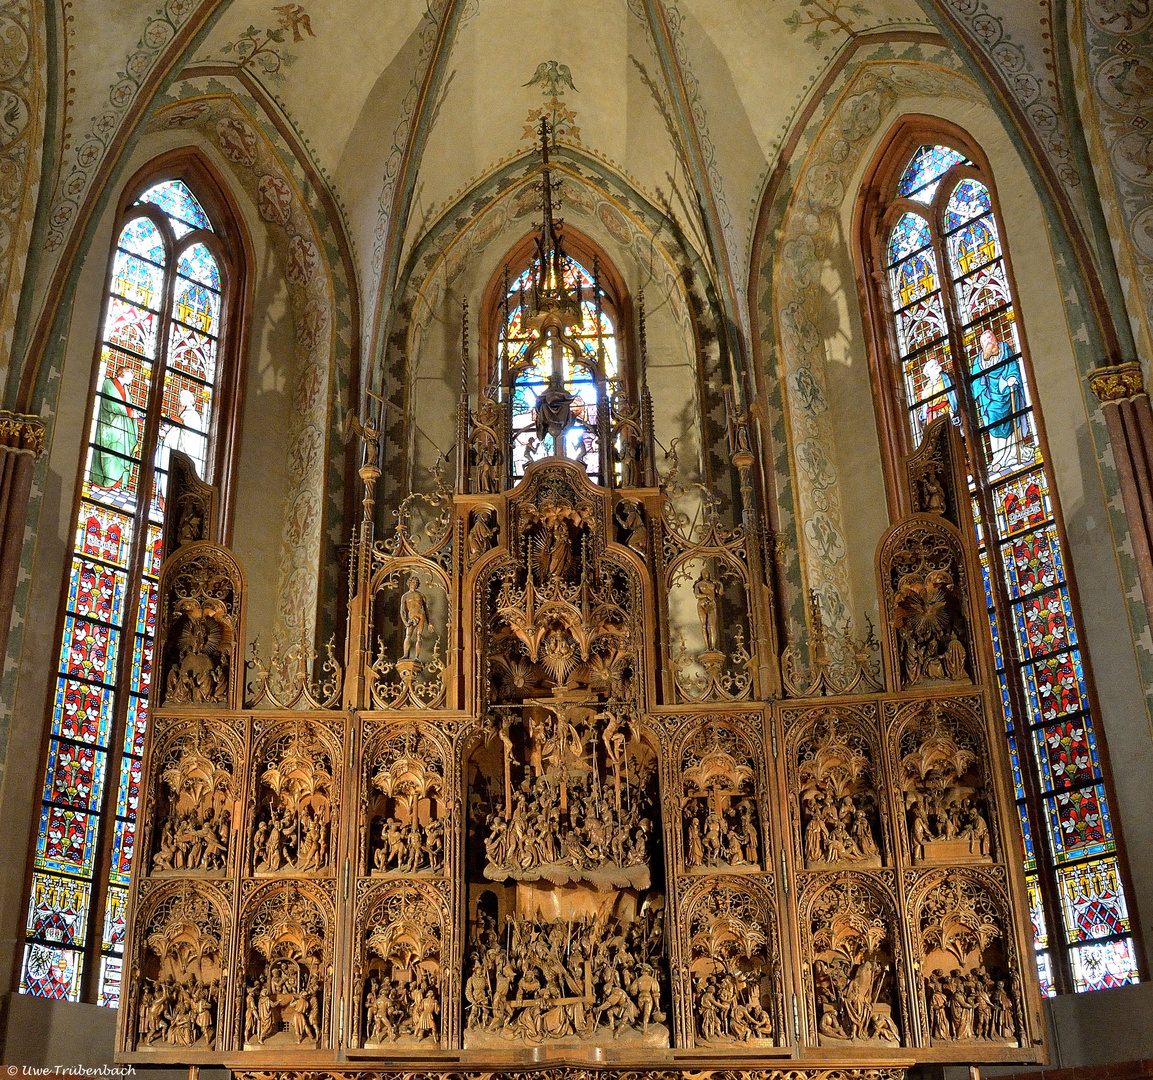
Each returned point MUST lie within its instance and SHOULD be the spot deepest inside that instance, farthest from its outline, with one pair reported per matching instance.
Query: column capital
(19, 432)
(1117, 382)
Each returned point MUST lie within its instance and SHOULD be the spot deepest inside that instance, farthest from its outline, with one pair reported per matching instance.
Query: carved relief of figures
(193, 825)
(840, 815)
(294, 815)
(970, 992)
(181, 970)
(191, 502)
(202, 594)
(285, 971)
(719, 803)
(401, 983)
(406, 829)
(596, 974)
(855, 984)
(579, 798)
(922, 573)
(943, 788)
(734, 964)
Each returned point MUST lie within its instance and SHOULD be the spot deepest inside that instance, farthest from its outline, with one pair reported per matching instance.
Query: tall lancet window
(157, 388)
(556, 369)
(957, 347)
(547, 374)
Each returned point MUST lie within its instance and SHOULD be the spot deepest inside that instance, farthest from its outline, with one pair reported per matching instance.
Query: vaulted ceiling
(403, 108)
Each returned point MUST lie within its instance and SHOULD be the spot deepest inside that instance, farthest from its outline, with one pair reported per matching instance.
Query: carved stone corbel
(1121, 390)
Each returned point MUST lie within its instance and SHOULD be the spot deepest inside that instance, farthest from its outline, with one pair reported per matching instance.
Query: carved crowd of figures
(588, 834)
(290, 841)
(190, 841)
(716, 840)
(839, 830)
(933, 818)
(544, 980)
(276, 998)
(395, 1008)
(408, 847)
(725, 1008)
(179, 1014)
(972, 1006)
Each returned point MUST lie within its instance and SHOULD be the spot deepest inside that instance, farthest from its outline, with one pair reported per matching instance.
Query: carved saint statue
(414, 617)
(481, 534)
(708, 593)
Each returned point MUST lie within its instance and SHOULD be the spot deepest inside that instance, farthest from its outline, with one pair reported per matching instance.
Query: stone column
(21, 443)
(1121, 390)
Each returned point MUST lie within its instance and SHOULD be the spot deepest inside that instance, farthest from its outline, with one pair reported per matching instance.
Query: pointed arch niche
(166, 375)
(946, 339)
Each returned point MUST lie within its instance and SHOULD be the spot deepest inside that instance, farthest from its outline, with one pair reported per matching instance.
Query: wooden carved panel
(201, 626)
(924, 586)
(192, 503)
(837, 806)
(733, 961)
(286, 964)
(404, 800)
(398, 967)
(180, 944)
(296, 792)
(939, 755)
(721, 787)
(592, 974)
(854, 965)
(970, 989)
(193, 792)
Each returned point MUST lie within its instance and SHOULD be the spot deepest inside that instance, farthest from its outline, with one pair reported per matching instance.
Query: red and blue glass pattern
(923, 173)
(105, 658)
(181, 207)
(1057, 733)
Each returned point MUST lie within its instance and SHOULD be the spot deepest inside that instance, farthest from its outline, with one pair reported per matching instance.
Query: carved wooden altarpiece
(563, 808)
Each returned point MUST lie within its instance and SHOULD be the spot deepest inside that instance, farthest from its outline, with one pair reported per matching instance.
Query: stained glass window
(158, 355)
(578, 366)
(959, 353)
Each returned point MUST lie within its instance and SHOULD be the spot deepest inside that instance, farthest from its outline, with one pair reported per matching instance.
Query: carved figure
(708, 591)
(482, 534)
(553, 413)
(414, 618)
(839, 807)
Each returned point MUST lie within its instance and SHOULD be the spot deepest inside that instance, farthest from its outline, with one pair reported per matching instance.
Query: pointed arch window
(958, 348)
(543, 367)
(159, 386)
